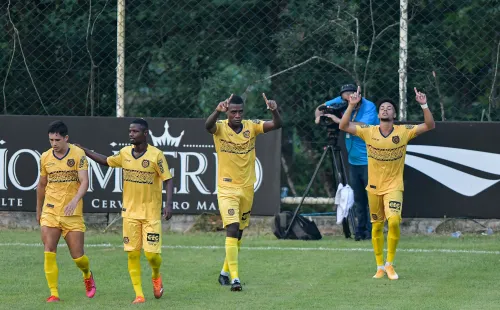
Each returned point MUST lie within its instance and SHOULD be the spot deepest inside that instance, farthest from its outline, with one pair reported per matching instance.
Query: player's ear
(66, 138)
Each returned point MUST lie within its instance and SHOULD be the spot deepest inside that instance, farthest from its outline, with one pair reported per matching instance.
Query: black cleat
(224, 280)
(236, 286)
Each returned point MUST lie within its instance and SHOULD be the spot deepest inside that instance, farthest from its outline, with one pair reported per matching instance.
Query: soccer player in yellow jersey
(145, 170)
(386, 147)
(234, 140)
(63, 183)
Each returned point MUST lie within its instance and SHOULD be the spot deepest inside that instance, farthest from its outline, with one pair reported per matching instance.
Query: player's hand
(271, 104)
(421, 97)
(223, 106)
(70, 208)
(167, 212)
(333, 118)
(355, 98)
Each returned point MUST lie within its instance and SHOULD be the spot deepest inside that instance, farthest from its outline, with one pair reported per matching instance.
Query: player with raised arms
(386, 147)
(234, 140)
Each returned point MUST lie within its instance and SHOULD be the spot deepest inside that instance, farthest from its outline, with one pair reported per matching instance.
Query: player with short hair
(386, 146)
(144, 170)
(59, 206)
(234, 140)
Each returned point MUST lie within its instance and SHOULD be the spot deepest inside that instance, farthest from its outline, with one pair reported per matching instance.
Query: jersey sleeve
(116, 160)
(218, 127)
(43, 171)
(83, 164)
(161, 167)
(411, 132)
(363, 132)
(258, 126)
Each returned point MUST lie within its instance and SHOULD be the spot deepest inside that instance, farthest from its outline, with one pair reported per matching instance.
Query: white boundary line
(269, 248)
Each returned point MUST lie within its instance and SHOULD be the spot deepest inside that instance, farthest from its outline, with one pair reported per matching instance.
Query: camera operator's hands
(271, 104)
(355, 98)
(333, 118)
(223, 106)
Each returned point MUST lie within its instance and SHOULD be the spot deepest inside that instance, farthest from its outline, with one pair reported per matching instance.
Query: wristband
(424, 106)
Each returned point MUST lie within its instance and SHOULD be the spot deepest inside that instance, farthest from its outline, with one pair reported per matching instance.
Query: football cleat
(391, 273)
(90, 286)
(157, 288)
(380, 274)
(53, 299)
(139, 300)
(236, 286)
(224, 280)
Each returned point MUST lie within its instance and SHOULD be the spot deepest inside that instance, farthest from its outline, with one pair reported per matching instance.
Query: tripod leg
(306, 191)
(342, 164)
(336, 171)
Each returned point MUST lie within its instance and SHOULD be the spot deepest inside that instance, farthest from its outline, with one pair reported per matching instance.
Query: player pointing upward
(234, 140)
(386, 147)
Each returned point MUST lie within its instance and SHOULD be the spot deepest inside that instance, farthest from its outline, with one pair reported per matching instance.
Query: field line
(268, 248)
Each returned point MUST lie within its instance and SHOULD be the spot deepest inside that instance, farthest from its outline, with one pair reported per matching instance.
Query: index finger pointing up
(265, 98)
(416, 91)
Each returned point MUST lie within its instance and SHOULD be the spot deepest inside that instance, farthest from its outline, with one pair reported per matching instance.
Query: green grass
(272, 278)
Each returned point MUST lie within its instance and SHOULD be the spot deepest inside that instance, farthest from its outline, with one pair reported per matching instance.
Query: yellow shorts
(235, 205)
(382, 207)
(64, 223)
(142, 234)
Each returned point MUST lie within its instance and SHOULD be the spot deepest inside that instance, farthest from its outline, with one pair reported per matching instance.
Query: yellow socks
(232, 256)
(83, 264)
(225, 267)
(51, 272)
(134, 269)
(154, 260)
(378, 242)
(392, 237)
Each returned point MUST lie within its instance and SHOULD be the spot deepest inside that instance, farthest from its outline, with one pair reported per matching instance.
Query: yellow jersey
(236, 153)
(143, 178)
(386, 156)
(62, 179)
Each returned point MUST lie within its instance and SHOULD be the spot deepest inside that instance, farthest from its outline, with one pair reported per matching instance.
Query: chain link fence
(183, 57)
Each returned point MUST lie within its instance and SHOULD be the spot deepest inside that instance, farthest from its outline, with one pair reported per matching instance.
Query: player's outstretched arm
(429, 123)
(276, 122)
(167, 211)
(40, 195)
(212, 119)
(345, 123)
(98, 158)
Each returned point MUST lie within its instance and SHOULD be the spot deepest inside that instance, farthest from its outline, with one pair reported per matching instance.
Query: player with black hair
(234, 140)
(386, 146)
(59, 208)
(144, 170)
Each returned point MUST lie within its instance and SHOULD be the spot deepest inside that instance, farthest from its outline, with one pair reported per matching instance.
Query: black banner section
(187, 146)
(454, 171)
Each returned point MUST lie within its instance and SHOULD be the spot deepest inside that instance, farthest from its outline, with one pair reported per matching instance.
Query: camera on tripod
(336, 109)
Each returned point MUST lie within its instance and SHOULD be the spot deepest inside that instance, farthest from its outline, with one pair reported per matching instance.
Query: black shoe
(224, 280)
(236, 286)
(357, 237)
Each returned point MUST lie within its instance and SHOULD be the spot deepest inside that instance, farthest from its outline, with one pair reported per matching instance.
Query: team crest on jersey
(246, 134)
(70, 162)
(395, 139)
(126, 240)
(230, 211)
(145, 163)
(374, 217)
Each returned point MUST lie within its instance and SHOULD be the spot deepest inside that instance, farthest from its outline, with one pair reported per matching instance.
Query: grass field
(436, 272)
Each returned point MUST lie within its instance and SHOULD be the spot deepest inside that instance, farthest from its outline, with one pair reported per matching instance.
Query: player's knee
(377, 227)
(233, 230)
(153, 258)
(393, 222)
(134, 254)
